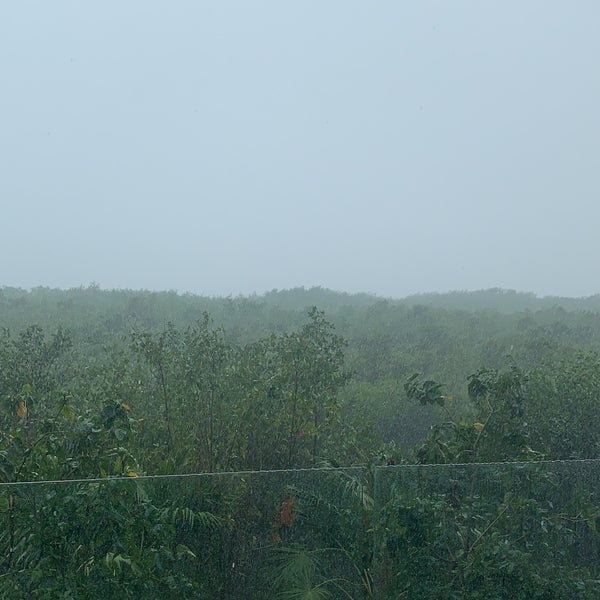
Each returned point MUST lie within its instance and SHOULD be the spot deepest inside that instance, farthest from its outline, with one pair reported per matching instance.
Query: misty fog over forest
(300, 300)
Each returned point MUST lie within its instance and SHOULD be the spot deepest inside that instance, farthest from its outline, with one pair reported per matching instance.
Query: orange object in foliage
(286, 512)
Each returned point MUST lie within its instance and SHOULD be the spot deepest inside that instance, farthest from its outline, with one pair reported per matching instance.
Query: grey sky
(232, 147)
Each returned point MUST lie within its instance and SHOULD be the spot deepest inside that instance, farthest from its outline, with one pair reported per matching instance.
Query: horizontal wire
(268, 472)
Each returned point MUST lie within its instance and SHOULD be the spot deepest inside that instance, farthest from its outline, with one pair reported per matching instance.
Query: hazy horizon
(264, 293)
(227, 149)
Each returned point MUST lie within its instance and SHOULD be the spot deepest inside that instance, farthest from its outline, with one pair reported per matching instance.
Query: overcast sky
(231, 147)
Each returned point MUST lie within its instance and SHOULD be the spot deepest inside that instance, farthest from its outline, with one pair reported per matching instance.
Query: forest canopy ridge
(299, 298)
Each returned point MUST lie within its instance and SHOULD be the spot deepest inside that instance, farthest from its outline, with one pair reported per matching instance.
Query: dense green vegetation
(122, 384)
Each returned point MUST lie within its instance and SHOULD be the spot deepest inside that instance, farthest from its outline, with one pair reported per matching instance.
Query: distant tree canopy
(185, 355)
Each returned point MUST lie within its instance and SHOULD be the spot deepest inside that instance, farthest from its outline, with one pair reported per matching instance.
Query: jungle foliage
(398, 404)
